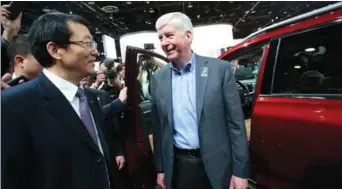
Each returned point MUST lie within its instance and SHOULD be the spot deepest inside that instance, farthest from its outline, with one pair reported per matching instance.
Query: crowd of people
(60, 120)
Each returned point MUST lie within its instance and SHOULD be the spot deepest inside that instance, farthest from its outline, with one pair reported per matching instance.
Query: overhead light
(91, 2)
(221, 15)
(128, 2)
(70, 12)
(310, 50)
(272, 20)
(47, 10)
(198, 16)
(285, 12)
(151, 11)
(253, 11)
(147, 2)
(277, 17)
(190, 5)
(297, 67)
(247, 12)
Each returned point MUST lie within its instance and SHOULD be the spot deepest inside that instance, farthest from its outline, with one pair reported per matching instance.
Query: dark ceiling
(116, 18)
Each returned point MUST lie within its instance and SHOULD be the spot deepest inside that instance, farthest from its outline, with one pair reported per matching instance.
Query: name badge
(204, 72)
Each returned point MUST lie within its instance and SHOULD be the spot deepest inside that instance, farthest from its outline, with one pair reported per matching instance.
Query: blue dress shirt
(184, 106)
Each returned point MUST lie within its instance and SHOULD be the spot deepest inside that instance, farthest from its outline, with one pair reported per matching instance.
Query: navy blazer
(44, 143)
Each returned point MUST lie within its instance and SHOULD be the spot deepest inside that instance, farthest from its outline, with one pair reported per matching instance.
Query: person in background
(120, 69)
(10, 30)
(51, 127)
(200, 138)
(23, 62)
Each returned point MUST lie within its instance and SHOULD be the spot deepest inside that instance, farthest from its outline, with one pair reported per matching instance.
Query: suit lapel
(202, 74)
(98, 119)
(60, 108)
(166, 82)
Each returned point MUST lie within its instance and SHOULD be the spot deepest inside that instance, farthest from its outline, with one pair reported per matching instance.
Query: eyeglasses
(88, 45)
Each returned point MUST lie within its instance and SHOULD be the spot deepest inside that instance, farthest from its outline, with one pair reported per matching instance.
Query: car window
(246, 65)
(147, 65)
(310, 62)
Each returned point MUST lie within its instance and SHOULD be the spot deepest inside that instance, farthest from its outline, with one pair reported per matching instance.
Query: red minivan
(290, 80)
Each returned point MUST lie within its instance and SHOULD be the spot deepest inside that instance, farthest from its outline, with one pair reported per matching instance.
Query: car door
(296, 123)
(140, 65)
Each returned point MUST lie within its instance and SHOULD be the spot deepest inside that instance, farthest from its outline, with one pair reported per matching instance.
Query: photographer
(10, 29)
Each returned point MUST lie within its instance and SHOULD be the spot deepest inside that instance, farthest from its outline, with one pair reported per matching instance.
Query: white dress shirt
(69, 91)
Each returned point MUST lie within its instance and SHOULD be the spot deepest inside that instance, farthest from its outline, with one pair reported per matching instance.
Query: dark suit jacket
(222, 132)
(45, 145)
(111, 127)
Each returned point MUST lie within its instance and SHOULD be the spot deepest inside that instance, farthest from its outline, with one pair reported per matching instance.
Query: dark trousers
(189, 172)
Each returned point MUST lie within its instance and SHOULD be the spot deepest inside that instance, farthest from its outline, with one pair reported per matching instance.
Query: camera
(111, 75)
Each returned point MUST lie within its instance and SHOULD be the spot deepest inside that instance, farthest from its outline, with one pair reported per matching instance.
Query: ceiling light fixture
(47, 10)
(310, 50)
(189, 5)
(151, 11)
(110, 9)
(253, 11)
(198, 16)
(128, 2)
(91, 2)
(297, 67)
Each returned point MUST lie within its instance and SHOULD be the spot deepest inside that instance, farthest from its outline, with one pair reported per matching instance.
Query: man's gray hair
(180, 20)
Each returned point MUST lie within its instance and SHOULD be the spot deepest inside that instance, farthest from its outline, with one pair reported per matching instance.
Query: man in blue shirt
(199, 131)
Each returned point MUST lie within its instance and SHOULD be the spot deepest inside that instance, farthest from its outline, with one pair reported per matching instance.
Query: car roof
(319, 16)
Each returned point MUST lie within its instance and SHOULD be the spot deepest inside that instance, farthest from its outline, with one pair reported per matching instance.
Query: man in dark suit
(113, 136)
(199, 132)
(51, 130)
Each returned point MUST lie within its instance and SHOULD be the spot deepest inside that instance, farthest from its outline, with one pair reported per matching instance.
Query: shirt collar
(188, 66)
(14, 76)
(67, 88)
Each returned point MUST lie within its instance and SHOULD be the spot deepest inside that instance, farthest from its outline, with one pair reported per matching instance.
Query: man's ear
(19, 61)
(188, 35)
(53, 50)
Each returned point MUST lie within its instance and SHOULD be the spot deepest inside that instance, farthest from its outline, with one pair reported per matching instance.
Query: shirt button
(99, 161)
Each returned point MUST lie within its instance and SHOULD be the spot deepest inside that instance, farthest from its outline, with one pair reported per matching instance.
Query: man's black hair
(19, 45)
(108, 63)
(51, 27)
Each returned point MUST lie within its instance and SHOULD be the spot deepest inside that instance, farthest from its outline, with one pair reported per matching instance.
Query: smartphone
(15, 8)
(15, 81)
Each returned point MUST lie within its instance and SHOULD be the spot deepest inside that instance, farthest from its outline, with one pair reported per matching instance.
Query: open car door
(140, 65)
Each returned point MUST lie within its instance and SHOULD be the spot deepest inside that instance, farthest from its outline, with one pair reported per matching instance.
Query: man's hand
(123, 95)
(238, 183)
(120, 161)
(11, 27)
(161, 180)
(6, 78)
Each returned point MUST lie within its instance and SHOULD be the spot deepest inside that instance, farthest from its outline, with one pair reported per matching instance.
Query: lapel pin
(204, 72)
